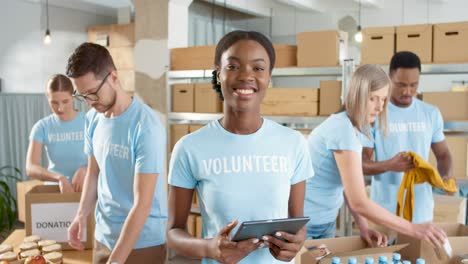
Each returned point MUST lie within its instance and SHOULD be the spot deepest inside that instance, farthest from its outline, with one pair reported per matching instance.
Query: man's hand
(401, 162)
(76, 232)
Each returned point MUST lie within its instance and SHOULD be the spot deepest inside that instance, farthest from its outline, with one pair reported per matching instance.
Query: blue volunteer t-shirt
(324, 193)
(131, 143)
(413, 128)
(244, 177)
(63, 142)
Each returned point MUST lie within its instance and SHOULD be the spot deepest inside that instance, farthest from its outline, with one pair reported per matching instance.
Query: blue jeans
(321, 231)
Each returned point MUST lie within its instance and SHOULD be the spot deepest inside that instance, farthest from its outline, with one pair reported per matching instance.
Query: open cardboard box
(21, 189)
(343, 248)
(49, 213)
(457, 236)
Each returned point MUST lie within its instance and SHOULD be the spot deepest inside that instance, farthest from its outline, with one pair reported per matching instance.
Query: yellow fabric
(422, 172)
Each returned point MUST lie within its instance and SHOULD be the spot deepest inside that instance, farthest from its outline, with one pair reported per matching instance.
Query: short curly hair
(90, 57)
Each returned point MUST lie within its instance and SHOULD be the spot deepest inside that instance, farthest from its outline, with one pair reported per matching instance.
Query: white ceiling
(255, 7)
(101, 7)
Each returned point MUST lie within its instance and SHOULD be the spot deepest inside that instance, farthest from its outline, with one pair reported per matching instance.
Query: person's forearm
(186, 245)
(371, 168)
(377, 214)
(37, 172)
(130, 232)
(360, 221)
(444, 166)
(89, 195)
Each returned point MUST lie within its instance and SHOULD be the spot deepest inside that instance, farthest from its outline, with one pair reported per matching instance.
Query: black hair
(405, 59)
(232, 37)
(90, 57)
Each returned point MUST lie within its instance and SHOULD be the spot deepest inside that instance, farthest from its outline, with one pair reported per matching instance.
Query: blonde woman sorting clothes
(335, 149)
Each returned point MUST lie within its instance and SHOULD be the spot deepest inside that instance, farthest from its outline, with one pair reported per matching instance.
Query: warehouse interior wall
(25, 61)
(208, 23)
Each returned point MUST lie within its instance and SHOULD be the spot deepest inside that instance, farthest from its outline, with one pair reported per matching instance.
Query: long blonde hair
(366, 79)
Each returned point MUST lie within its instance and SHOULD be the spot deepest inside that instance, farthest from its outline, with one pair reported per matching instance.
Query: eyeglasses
(90, 96)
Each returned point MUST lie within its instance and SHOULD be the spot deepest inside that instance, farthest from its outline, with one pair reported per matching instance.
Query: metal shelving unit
(460, 68)
(426, 69)
(290, 121)
(277, 72)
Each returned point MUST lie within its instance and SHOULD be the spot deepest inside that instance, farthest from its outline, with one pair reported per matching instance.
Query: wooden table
(69, 256)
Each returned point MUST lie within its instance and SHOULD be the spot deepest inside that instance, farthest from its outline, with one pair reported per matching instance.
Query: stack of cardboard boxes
(438, 43)
(120, 41)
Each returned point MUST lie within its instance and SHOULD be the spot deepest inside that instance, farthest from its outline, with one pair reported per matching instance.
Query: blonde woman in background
(61, 135)
(335, 148)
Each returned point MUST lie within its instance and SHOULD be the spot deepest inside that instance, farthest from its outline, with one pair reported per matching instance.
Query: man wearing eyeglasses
(125, 142)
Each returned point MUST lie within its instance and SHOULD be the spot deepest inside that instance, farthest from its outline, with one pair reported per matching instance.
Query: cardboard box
(378, 45)
(122, 35)
(182, 98)
(193, 128)
(193, 58)
(198, 226)
(206, 99)
(458, 146)
(286, 55)
(449, 209)
(49, 213)
(330, 97)
(343, 248)
(127, 80)
(123, 58)
(452, 105)
(450, 42)
(290, 102)
(116, 35)
(457, 236)
(321, 48)
(417, 39)
(99, 35)
(191, 224)
(177, 132)
(21, 189)
(195, 199)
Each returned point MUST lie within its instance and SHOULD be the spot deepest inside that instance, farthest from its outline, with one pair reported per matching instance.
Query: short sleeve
(38, 132)
(180, 173)
(88, 131)
(148, 149)
(303, 169)
(438, 127)
(345, 138)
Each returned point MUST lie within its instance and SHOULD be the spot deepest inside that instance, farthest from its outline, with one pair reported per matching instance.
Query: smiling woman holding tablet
(244, 167)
